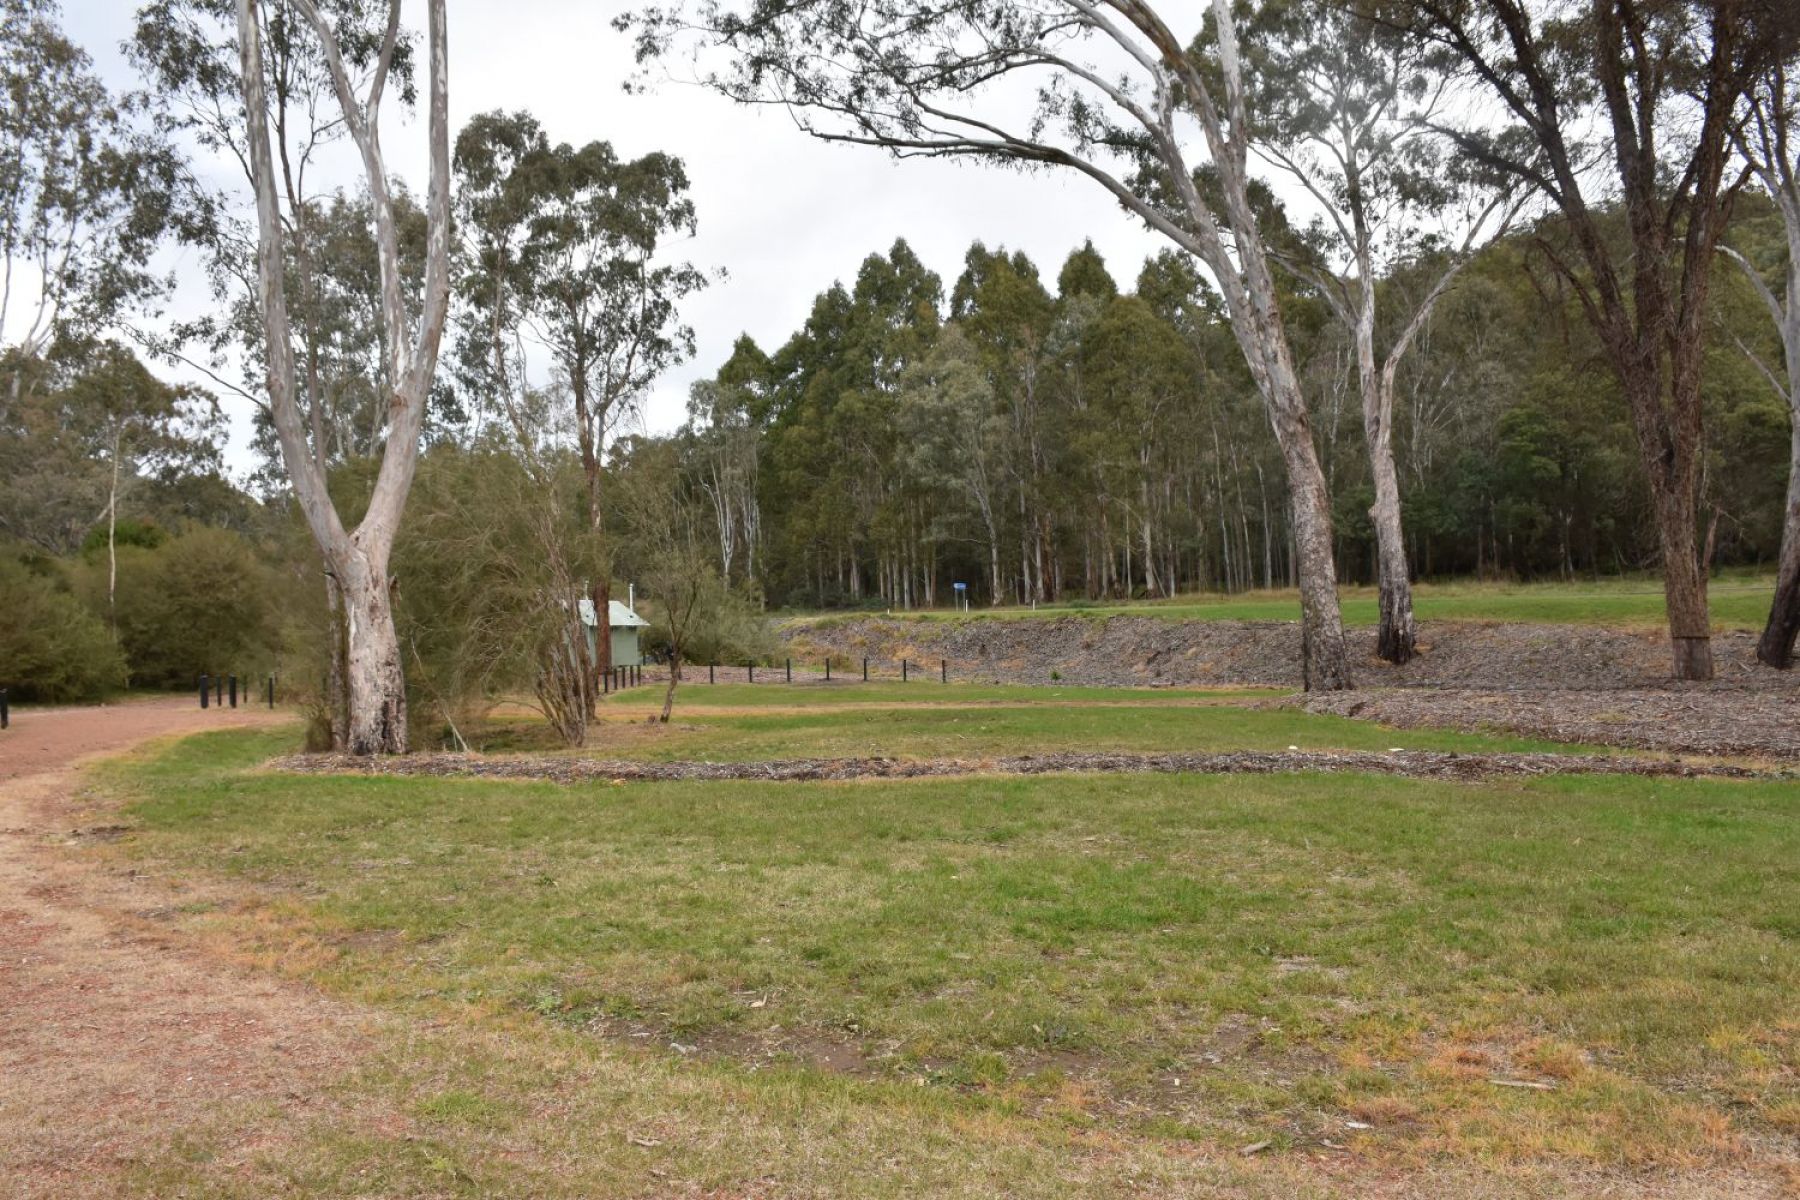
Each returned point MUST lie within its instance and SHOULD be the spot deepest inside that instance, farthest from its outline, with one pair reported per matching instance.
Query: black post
(865, 669)
(828, 668)
(271, 691)
(710, 668)
(234, 691)
(903, 670)
(790, 670)
(944, 670)
(5, 715)
(751, 668)
(205, 691)
(606, 683)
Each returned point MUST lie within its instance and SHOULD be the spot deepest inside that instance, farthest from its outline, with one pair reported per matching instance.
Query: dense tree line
(1065, 438)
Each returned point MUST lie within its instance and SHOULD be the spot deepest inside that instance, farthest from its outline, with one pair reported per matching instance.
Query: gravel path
(1419, 764)
(117, 1035)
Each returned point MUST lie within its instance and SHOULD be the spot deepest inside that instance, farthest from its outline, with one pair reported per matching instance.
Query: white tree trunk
(358, 559)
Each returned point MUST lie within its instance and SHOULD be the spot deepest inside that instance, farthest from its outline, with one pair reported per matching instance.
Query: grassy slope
(1024, 984)
(1738, 602)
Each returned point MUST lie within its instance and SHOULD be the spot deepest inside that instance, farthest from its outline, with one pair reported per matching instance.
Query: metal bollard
(828, 668)
(903, 670)
(271, 691)
(205, 691)
(790, 670)
(234, 691)
(943, 670)
(751, 668)
(710, 668)
(865, 670)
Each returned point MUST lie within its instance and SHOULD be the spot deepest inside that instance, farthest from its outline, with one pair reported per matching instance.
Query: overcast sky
(783, 214)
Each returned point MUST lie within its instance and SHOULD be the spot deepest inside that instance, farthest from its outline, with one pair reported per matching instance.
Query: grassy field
(989, 986)
(741, 723)
(1738, 602)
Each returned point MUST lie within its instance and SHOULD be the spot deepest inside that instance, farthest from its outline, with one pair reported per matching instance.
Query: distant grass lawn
(1738, 602)
(738, 722)
(1032, 987)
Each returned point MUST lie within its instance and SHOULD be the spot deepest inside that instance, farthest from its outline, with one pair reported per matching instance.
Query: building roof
(617, 615)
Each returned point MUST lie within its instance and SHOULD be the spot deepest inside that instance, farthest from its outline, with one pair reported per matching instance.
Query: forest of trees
(1437, 297)
(1056, 434)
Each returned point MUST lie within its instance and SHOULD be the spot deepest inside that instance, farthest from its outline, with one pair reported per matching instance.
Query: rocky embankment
(1129, 651)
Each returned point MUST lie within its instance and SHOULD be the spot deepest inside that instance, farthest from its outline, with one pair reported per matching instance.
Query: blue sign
(961, 587)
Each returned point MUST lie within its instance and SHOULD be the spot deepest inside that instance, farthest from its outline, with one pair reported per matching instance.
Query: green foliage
(51, 647)
(200, 602)
(491, 563)
(142, 534)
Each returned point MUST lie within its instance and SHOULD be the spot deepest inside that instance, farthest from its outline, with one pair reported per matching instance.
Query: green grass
(1738, 602)
(809, 690)
(953, 722)
(1032, 986)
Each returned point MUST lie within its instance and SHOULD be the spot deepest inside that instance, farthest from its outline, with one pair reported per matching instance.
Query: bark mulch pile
(1692, 720)
(1419, 764)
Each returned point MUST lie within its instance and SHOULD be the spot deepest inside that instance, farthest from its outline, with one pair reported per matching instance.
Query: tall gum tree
(1767, 142)
(358, 557)
(568, 254)
(1121, 98)
(1656, 86)
(188, 53)
(1344, 106)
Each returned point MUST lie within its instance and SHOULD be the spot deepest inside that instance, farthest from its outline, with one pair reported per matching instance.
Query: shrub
(200, 602)
(51, 648)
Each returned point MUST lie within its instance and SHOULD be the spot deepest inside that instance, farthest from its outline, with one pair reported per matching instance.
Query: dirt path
(113, 1038)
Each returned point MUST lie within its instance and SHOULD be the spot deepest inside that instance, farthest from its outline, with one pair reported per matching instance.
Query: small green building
(623, 626)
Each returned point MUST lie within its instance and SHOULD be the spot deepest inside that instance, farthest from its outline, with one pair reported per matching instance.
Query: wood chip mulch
(1419, 764)
(1706, 720)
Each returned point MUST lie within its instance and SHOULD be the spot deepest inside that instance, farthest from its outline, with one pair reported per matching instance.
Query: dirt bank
(1150, 651)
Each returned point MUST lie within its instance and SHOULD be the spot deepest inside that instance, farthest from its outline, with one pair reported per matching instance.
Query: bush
(726, 627)
(200, 602)
(51, 648)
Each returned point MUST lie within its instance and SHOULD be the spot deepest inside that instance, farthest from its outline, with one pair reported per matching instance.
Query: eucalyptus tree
(188, 52)
(357, 557)
(1007, 314)
(725, 443)
(565, 249)
(1121, 98)
(94, 428)
(85, 191)
(1768, 139)
(1659, 86)
(1344, 106)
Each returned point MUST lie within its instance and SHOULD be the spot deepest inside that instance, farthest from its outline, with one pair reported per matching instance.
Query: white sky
(783, 214)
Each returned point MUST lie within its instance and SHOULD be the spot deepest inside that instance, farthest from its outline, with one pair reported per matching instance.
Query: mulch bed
(1418, 764)
(1693, 720)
